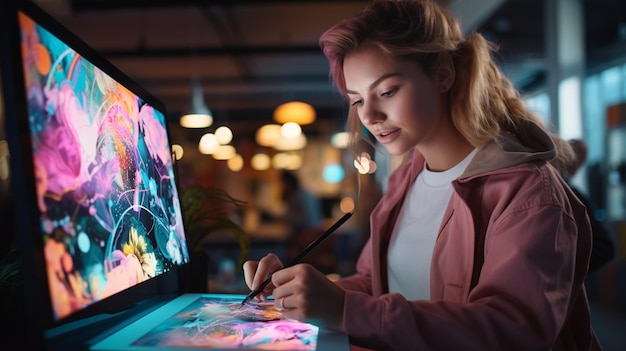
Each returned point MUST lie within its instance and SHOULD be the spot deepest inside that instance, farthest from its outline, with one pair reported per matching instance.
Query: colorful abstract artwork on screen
(106, 192)
(221, 322)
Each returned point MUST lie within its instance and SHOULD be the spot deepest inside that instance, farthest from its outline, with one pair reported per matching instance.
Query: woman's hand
(304, 293)
(255, 273)
(301, 292)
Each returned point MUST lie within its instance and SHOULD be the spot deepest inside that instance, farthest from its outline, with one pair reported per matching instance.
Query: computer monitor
(97, 204)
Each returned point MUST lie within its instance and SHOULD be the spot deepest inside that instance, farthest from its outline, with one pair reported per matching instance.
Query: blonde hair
(482, 101)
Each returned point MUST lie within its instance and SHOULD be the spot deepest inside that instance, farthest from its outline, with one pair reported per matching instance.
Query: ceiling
(251, 56)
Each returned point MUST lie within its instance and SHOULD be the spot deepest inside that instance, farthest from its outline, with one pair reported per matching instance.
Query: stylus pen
(315, 243)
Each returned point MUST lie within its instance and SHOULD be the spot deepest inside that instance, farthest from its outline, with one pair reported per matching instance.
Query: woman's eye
(355, 102)
(390, 92)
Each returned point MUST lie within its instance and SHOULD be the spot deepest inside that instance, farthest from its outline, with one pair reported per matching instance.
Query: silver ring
(282, 303)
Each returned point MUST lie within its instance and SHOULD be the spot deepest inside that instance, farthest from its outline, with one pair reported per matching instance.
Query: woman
(478, 243)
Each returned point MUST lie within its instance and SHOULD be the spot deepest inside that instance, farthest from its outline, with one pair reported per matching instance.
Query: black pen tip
(244, 301)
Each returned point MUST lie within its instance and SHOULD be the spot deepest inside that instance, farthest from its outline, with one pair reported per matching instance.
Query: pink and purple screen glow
(220, 322)
(110, 213)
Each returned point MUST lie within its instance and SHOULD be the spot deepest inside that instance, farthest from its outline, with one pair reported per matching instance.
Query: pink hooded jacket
(508, 265)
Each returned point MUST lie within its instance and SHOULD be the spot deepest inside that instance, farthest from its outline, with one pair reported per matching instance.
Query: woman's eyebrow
(375, 83)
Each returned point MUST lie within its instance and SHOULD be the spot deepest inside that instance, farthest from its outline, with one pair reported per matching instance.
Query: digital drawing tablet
(219, 322)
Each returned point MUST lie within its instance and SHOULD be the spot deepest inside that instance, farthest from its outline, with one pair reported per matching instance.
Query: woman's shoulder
(522, 186)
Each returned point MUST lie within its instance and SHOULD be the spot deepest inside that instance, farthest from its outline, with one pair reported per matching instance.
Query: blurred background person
(304, 217)
(603, 249)
(303, 210)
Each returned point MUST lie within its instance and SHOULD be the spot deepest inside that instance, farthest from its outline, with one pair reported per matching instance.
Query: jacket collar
(529, 143)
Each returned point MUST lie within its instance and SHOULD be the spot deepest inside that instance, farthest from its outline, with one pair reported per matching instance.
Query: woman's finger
(249, 271)
(266, 266)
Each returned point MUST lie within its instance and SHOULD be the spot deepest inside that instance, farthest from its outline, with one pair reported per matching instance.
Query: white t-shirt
(416, 230)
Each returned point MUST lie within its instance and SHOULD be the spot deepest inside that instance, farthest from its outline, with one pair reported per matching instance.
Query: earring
(444, 87)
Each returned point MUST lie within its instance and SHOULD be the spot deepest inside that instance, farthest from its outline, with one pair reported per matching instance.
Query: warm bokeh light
(235, 164)
(364, 164)
(339, 140)
(261, 162)
(224, 135)
(268, 134)
(224, 152)
(290, 144)
(287, 160)
(280, 160)
(196, 120)
(290, 130)
(346, 204)
(208, 144)
(295, 111)
(178, 151)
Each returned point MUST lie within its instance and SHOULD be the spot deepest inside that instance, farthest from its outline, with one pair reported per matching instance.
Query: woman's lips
(387, 136)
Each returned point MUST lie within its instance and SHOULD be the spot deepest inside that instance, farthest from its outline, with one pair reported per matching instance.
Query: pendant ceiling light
(200, 115)
(295, 111)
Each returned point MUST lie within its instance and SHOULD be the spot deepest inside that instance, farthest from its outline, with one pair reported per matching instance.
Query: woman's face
(394, 99)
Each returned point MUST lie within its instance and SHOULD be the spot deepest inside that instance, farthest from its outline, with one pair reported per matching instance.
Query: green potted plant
(207, 211)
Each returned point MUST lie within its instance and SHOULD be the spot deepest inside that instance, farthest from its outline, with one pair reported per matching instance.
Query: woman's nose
(370, 114)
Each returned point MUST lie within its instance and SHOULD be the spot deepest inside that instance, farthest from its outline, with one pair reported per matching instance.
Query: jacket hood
(529, 143)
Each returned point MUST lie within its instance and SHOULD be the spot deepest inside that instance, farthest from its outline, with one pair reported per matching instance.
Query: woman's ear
(445, 73)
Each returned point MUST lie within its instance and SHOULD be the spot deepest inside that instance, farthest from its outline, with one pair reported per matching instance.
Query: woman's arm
(362, 279)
